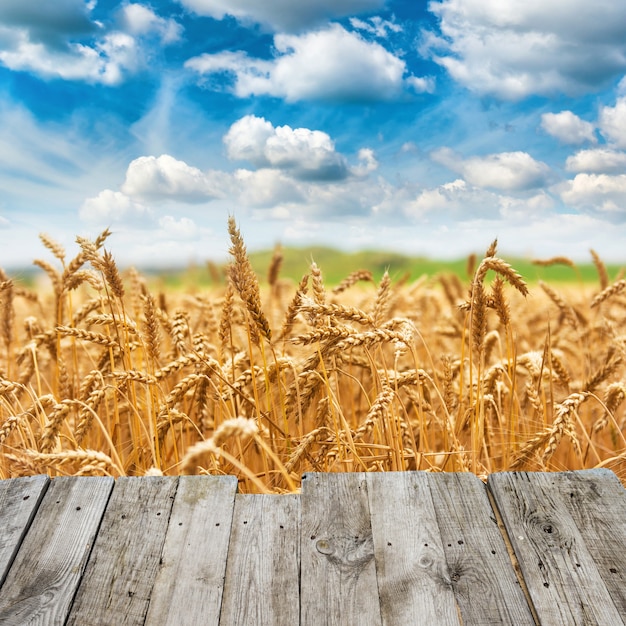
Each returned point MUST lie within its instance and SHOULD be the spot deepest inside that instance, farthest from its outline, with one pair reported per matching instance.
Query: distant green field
(336, 265)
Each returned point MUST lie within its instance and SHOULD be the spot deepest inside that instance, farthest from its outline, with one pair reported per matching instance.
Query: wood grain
(414, 583)
(118, 580)
(19, 499)
(48, 567)
(485, 584)
(596, 501)
(338, 572)
(191, 573)
(262, 575)
(436, 549)
(560, 573)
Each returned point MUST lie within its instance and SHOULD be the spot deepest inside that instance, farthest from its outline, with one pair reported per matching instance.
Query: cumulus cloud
(596, 193)
(506, 171)
(265, 188)
(367, 163)
(568, 128)
(514, 49)
(453, 195)
(521, 209)
(460, 201)
(298, 171)
(48, 23)
(306, 154)
(165, 177)
(330, 64)
(282, 15)
(597, 161)
(66, 43)
(612, 123)
(113, 206)
(138, 19)
(182, 229)
(105, 62)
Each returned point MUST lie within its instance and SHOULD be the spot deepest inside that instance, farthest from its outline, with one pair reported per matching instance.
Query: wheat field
(101, 374)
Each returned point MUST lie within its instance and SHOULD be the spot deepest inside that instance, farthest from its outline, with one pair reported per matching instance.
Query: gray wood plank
(560, 573)
(190, 581)
(119, 577)
(262, 576)
(337, 571)
(596, 500)
(19, 499)
(485, 584)
(413, 580)
(41, 584)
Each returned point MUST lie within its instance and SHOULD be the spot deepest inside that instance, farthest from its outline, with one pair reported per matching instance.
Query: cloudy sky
(426, 127)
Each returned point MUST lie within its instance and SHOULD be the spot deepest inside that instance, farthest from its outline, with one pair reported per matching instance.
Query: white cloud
(513, 49)
(112, 206)
(69, 45)
(421, 84)
(507, 171)
(460, 201)
(596, 193)
(612, 123)
(282, 15)
(453, 195)
(568, 127)
(597, 161)
(376, 26)
(138, 19)
(48, 22)
(306, 154)
(182, 229)
(265, 188)
(330, 64)
(163, 177)
(522, 209)
(104, 63)
(367, 163)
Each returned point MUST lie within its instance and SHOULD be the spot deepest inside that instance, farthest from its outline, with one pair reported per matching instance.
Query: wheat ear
(245, 281)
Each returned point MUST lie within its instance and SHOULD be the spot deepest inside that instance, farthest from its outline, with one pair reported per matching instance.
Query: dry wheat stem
(555, 260)
(245, 281)
(353, 279)
(601, 269)
(235, 427)
(609, 292)
(371, 379)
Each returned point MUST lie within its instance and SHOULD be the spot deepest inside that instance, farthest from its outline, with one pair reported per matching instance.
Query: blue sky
(428, 128)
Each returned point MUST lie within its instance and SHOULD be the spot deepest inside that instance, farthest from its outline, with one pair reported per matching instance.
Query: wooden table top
(392, 548)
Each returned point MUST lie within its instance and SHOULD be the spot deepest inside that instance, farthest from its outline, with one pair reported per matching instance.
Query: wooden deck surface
(381, 548)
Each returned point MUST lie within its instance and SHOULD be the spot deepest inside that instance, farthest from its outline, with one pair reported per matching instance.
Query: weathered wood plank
(190, 580)
(337, 571)
(596, 500)
(413, 580)
(119, 577)
(262, 575)
(47, 569)
(559, 571)
(19, 499)
(480, 569)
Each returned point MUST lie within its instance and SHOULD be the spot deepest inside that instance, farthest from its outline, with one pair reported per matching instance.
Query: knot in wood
(349, 553)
